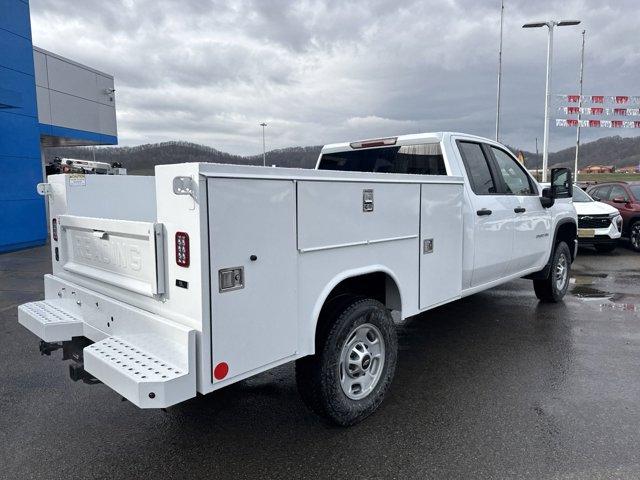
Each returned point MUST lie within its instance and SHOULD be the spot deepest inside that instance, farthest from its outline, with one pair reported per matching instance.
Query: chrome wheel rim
(561, 271)
(635, 236)
(361, 361)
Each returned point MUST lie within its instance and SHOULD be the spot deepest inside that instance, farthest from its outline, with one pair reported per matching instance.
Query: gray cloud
(320, 71)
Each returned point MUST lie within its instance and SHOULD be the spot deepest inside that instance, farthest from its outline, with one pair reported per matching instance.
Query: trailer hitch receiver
(47, 347)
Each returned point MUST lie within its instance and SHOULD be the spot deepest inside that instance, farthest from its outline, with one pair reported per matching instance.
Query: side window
(422, 159)
(602, 193)
(477, 168)
(618, 192)
(515, 180)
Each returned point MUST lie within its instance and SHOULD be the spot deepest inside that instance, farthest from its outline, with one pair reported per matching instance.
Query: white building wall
(74, 96)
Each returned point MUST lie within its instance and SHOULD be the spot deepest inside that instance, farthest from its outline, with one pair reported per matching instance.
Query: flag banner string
(602, 99)
(621, 112)
(573, 122)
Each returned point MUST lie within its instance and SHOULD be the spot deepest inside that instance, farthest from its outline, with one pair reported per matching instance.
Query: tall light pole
(264, 151)
(499, 72)
(575, 169)
(550, 24)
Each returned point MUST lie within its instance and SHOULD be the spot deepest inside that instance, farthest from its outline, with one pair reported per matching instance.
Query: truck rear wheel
(554, 287)
(355, 360)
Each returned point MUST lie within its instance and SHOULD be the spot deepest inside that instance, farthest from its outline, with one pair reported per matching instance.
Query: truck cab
(508, 230)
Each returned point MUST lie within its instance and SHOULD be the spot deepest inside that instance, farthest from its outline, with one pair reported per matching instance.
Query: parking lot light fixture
(550, 24)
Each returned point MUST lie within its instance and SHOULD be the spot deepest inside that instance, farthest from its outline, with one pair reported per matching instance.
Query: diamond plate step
(49, 320)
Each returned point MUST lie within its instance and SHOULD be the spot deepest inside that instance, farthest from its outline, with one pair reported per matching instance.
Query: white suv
(599, 224)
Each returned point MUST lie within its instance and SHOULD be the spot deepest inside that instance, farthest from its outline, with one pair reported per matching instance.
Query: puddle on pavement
(582, 287)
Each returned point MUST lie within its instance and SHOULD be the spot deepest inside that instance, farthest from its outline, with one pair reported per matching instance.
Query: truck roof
(424, 137)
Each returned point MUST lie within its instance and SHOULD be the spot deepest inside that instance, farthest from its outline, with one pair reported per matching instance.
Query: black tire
(319, 376)
(548, 289)
(605, 248)
(634, 235)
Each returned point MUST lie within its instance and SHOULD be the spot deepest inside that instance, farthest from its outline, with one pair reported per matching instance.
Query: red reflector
(377, 142)
(221, 370)
(54, 229)
(182, 249)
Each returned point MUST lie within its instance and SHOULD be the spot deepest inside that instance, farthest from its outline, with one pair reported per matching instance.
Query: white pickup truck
(183, 283)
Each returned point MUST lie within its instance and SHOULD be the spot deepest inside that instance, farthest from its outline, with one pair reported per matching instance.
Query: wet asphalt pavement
(492, 386)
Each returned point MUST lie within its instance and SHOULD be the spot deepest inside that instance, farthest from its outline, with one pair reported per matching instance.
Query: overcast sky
(322, 71)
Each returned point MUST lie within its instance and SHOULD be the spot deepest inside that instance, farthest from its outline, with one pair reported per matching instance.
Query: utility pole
(575, 169)
(537, 155)
(499, 72)
(550, 24)
(545, 139)
(264, 151)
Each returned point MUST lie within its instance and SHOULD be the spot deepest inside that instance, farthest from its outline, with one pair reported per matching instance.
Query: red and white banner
(601, 99)
(619, 112)
(574, 122)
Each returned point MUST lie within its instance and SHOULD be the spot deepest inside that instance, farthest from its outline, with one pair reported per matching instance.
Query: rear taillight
(54, 229)
(182, 249)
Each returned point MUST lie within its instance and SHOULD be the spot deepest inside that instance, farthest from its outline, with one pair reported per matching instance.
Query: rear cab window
(419, 159)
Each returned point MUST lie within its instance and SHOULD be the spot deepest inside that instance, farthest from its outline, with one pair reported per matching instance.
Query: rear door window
(516, 181)
(477, 167)
(421, 159)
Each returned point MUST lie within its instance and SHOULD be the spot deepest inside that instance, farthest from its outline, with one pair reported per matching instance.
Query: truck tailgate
(127, 254)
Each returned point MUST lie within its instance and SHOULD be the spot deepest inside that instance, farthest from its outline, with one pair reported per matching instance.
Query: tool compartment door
(252, 248)
(440, 243)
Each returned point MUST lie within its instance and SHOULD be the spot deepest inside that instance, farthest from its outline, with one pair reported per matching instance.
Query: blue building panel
(22, 211)
(19, 135)
(14, 17)
(16, 51)
(19, 178)
(16, 92)
(70, 136)
(26, 219)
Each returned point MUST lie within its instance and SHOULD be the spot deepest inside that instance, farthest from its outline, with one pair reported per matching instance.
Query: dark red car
(625, 196)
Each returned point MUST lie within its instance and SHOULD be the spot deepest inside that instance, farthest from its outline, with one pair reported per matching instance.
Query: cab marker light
(376, 142)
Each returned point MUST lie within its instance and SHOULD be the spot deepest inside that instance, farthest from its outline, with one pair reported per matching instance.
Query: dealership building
(45, 101)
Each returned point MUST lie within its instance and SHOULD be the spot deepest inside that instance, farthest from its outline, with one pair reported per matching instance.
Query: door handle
(484, 211)
(520, 210)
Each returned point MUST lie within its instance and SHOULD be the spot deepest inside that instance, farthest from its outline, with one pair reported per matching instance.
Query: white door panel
(440, 243)
(255, 324)
(532, 230)
(531, 221)
(494, 236)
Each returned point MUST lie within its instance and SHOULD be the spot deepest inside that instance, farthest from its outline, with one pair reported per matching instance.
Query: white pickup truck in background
(168, 286)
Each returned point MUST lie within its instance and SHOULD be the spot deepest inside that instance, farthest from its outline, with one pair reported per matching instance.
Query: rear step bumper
(49, 320)
(146, 358)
